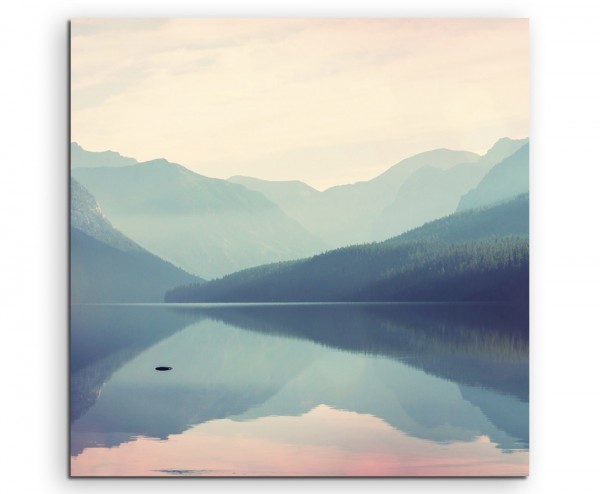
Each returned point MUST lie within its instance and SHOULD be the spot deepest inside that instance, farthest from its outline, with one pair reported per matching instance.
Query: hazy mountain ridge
(87, 216)
(510, 218)
(420, 188)
(106, 266)
(214, 227)
(343, 214)
(432, 192)
(205, 225)
(501, 150)
(429, 193)
(432, 263)
(81, 158)
(507, 179)
(440, 158)
(286, 193)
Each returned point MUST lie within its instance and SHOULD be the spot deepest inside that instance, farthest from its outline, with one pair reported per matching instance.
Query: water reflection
(105, 337)
(478, 344)
(440, 377)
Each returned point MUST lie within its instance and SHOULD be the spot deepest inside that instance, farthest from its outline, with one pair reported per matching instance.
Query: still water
(300, 390)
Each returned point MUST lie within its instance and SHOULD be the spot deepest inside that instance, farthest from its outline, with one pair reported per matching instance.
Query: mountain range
(421, 188)
(82, 158)
(207, 226)
(212, 227)
(476, 255)
(507, 179)
(106, 266)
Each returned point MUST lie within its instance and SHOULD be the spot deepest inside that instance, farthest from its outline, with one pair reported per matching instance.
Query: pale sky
(325, 101)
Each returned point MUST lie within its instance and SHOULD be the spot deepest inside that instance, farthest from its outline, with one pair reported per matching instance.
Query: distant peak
(82, 158)
(163, 163)
(446, 154)
(501, 149)
(440, 157)
(158, 161)
(504, 140)
(79, 147)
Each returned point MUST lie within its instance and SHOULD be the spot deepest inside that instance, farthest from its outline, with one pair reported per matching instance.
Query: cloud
(228, 92)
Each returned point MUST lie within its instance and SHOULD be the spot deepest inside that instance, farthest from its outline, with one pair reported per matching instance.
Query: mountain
(427, 194)
(87, 217)
(443, 159)
(295, 198)
(418, 189)
(343, 214)
(288, 195)
(207, 226)
(106, 266)
(501, 150)
(505, 180)
(510, 218)
(431, 192)
(473, 256)
(81, 158)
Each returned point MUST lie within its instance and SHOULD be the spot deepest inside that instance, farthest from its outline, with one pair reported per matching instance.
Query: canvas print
(299, 247)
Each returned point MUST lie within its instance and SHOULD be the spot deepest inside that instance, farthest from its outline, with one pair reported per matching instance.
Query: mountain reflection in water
(445, 375)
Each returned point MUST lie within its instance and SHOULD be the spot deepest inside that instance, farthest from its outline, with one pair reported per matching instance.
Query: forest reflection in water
(448, 376)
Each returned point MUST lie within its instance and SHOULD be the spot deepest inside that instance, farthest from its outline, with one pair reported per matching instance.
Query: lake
(300, 390)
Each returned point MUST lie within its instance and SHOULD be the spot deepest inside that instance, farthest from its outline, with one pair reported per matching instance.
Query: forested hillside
(478, 255)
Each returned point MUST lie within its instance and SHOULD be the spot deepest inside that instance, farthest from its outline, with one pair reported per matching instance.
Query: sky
(325, 101)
